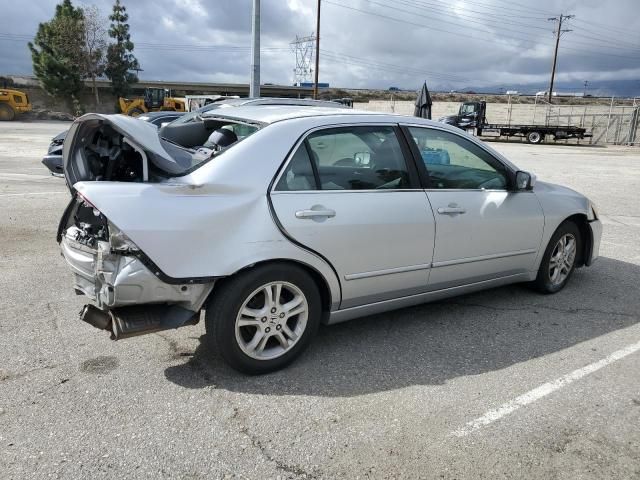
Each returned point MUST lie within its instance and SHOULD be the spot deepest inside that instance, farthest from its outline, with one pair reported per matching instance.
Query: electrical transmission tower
(558, 31)
(304, 48)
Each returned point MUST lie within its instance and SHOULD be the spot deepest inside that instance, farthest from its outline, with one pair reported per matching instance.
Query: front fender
(558, 204)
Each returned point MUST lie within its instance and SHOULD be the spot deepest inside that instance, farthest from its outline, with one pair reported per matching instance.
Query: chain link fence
(609, 124)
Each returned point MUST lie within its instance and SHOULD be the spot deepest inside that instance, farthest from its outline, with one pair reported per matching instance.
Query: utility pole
(586, 84)
(254, 85)
(559, 31)
(315, 85)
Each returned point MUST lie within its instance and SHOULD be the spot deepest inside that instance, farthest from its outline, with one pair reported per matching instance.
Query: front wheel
(7, 113)
(135, 112)
(559, 260)
(262, 319)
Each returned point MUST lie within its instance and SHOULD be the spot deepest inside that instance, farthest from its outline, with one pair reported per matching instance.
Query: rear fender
(200, 231)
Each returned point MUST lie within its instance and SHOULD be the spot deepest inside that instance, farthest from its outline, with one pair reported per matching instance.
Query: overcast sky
(365, 43)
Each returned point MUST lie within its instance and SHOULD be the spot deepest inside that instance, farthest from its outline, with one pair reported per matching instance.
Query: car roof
(268, 114)
(275, 113)
(238, 102)
(162, 113)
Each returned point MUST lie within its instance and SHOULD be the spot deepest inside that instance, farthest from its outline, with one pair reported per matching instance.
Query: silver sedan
(274, 219)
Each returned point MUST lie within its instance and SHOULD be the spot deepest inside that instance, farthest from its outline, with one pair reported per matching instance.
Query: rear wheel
(534, 137)
(7, 113)
(135, 112)
(559, 260)
(261, 320)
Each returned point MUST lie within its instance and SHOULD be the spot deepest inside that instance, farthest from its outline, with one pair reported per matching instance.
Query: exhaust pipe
(95, 317)
(126, 322)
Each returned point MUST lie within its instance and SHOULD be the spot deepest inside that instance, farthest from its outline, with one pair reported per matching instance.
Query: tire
(7, 113)
(550, 279)
(534, 137)
(286, 336)
(135, 112)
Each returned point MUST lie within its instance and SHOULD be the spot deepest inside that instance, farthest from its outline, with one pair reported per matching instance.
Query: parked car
(280, 218)
(53, 159)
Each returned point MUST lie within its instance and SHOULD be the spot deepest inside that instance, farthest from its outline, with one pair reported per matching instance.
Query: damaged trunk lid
(120, 148)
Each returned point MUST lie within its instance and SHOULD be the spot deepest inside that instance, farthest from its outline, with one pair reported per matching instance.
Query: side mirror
(362, 159)
(524, 180)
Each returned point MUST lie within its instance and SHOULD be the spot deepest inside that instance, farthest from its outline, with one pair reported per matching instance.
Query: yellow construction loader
(154, 100)
(13, 102)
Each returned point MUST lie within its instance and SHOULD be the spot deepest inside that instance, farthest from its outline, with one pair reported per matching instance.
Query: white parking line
(30, 193)
(542, 391)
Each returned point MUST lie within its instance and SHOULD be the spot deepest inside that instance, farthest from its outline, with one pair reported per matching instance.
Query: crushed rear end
(131, 295)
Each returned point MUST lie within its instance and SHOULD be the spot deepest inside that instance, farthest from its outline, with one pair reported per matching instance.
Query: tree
(95, 45)
(57, 54)
(120, 59)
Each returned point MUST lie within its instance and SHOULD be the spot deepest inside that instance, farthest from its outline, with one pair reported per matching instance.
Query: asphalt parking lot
(500, 384)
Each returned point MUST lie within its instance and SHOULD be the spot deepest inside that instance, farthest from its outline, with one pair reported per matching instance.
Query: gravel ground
(381, 397)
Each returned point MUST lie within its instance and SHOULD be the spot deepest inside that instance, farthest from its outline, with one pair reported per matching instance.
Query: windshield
(468, 108)
(196, 114)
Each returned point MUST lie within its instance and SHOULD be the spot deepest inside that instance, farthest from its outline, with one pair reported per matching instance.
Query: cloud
(365, 43)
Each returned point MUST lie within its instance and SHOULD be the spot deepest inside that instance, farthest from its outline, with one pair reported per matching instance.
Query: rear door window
(349, 158)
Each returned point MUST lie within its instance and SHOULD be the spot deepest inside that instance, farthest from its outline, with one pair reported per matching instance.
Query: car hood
(546, 187)
(60, 137)
(449, 119)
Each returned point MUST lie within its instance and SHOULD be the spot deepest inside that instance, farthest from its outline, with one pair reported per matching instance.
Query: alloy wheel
(271, 320)
(562, 259)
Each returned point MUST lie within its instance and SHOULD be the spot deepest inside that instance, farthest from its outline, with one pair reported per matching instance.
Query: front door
(349, 194)
(484, 229)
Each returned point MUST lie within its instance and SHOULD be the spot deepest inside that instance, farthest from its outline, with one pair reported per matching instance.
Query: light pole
(315, 85)
(254, 85)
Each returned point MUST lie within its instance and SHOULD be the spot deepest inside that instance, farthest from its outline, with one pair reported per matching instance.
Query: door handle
(451, 210)
(315, 213)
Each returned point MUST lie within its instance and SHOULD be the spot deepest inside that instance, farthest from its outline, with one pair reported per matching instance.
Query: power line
(391, 67)
(493, 18)
(457, 24)
(616, 30)
(527, 41)
(438, 4)
(395, 19)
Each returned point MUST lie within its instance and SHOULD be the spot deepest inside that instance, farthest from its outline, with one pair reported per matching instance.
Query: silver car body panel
(558, 203)
(498, 235)
(346, 314)
(222, 218)
(380, 242)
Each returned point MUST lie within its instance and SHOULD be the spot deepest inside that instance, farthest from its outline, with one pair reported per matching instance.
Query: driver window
(454, 162)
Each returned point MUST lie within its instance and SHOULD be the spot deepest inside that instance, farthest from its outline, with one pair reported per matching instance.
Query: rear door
(349, 194)
(484, 229)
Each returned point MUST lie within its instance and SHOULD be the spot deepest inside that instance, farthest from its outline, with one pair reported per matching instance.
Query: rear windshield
(196, 114)
(194, 144)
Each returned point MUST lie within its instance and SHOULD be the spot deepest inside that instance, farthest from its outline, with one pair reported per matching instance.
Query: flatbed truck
(472, 117)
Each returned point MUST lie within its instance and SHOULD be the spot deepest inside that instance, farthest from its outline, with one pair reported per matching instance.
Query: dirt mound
(44, 114)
